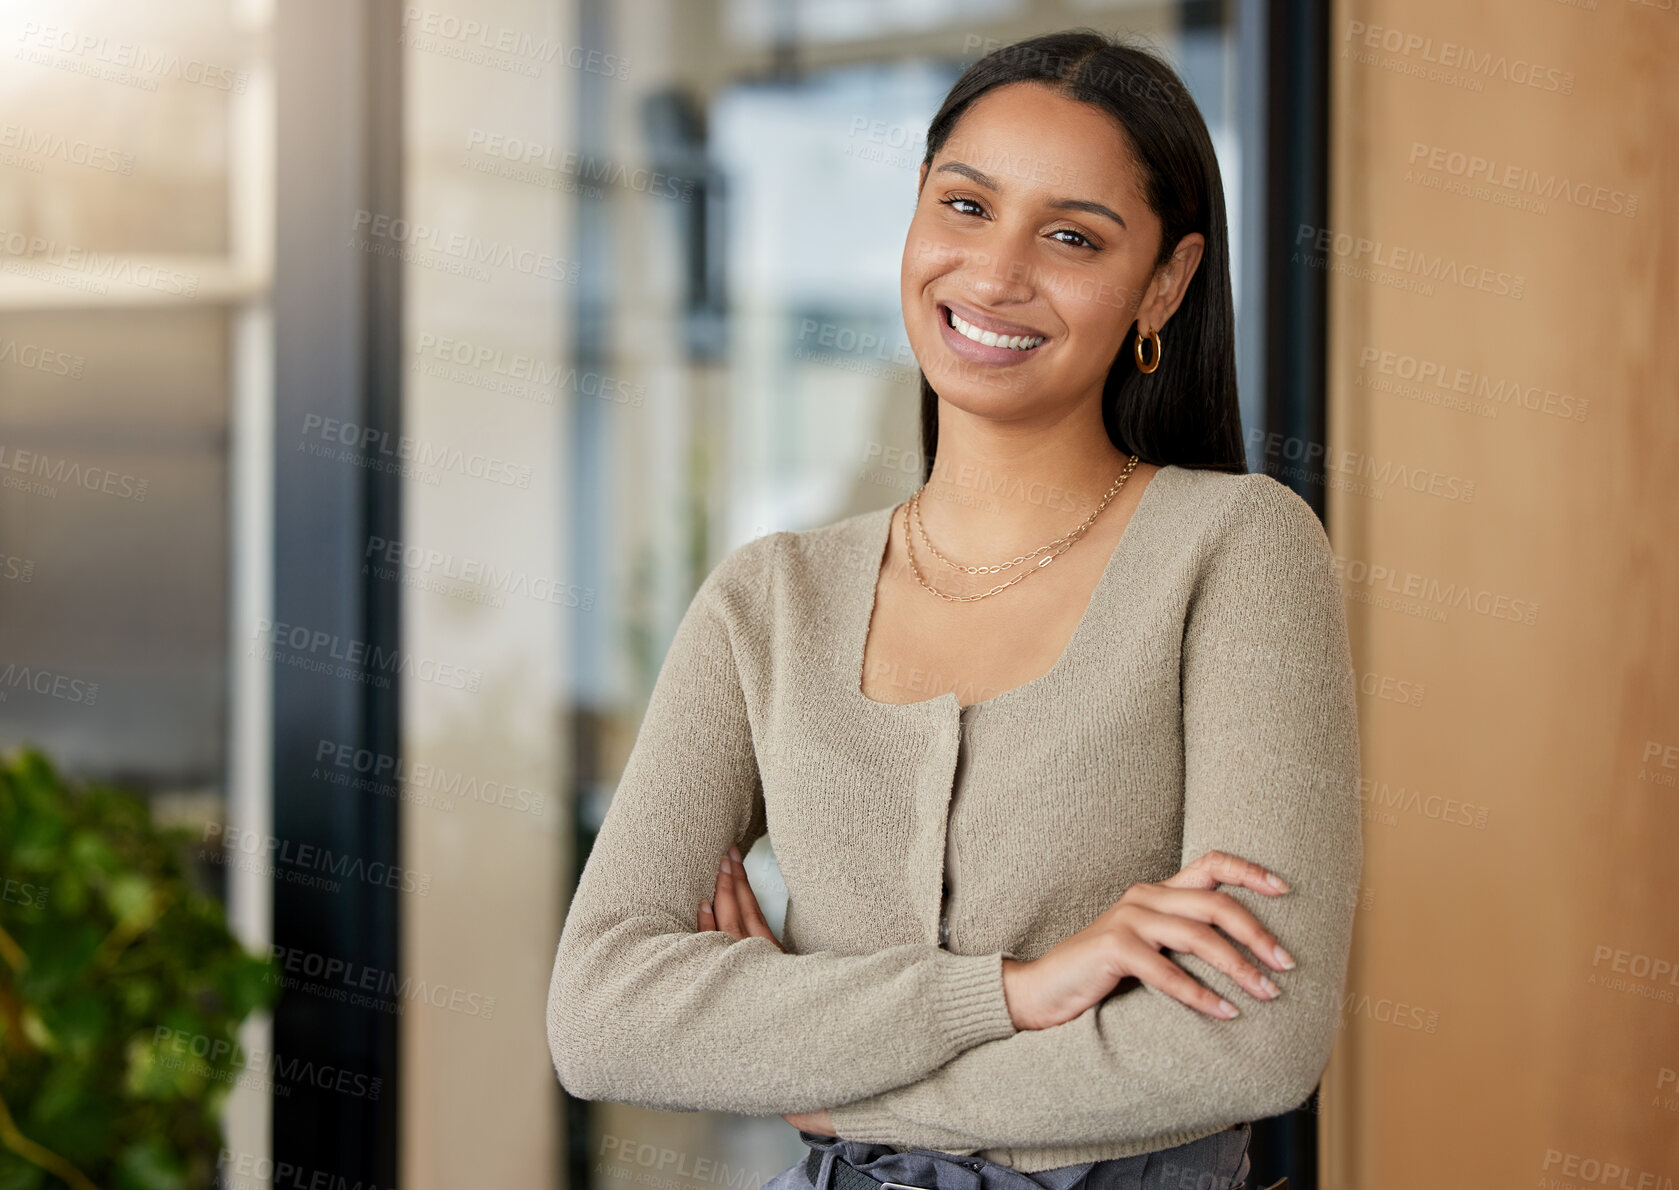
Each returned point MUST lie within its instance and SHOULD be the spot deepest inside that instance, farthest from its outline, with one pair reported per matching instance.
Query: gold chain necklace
(1065, 543)
(915, 503)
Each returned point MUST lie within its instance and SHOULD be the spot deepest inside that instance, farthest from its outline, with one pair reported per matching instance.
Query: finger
(1203, 941)
(708, 915)
(727, 906)
(711, 906)
(745, 905)
(1220, 867)
(1219, 908)
(1158, 971)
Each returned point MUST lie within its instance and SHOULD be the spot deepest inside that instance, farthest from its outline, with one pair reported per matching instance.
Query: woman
(1053, 782)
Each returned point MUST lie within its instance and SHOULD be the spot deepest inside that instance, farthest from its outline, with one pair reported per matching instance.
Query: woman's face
(1030, 224)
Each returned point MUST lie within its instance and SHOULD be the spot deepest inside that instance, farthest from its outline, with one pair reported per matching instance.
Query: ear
(1170, 283)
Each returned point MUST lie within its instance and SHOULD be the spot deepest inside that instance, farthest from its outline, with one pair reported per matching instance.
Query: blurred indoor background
(379, 380)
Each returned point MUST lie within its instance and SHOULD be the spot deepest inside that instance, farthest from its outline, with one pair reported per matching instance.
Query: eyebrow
(1060, 204)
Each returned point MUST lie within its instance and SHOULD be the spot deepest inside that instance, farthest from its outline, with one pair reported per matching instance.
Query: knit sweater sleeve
(1271, 770)
(642, 1009)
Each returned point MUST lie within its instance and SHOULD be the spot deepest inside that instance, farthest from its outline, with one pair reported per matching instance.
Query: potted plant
(121, 992)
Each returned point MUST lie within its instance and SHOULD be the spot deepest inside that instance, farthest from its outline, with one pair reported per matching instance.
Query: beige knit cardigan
(1206, 700)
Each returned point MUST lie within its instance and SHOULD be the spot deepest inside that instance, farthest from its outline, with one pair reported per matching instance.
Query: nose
(1000, 271)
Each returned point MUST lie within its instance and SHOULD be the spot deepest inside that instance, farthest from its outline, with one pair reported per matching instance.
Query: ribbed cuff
(969, 1004)
(864, 1121)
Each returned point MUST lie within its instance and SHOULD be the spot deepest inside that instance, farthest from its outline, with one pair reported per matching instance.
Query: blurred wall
(1504, 419)
(488, 291)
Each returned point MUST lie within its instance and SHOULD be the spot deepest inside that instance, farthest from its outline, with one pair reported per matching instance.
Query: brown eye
(951, 203)
(1084, 241)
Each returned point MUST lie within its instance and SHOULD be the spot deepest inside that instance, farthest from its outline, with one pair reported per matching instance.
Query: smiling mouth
(988, 338)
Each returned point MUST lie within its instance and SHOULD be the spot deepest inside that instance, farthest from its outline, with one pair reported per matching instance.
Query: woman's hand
(1178, 913)
(733, 909)
(812, 1121)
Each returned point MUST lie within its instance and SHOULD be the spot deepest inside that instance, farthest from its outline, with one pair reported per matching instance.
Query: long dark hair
(1186, 412)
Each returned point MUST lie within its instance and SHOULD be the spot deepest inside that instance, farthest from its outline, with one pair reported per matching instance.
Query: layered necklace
(1045, 554)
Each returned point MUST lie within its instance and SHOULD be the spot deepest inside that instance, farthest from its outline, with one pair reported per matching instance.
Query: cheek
(927, 253)
(1103, 318)
(1093, 323)
(1096, 330)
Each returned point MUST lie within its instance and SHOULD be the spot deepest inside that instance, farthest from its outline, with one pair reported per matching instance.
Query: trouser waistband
(1214, 1162)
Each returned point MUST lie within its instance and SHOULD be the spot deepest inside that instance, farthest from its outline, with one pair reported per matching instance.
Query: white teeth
(991, 338)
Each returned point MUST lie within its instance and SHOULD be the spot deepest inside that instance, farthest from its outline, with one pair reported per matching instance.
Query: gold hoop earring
(1137, 347)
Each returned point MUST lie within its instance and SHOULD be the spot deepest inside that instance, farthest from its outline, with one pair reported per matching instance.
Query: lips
(984, 339)
(990, 322)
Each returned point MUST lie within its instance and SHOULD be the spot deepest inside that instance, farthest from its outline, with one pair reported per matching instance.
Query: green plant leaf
(150, 1165)
(17, 1174)
(128, 895)
(124, 1055)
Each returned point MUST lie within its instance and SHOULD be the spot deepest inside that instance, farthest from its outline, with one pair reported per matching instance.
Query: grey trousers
(1216, 1162)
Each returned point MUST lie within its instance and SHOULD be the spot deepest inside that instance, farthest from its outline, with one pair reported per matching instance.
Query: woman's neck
(1002, 489)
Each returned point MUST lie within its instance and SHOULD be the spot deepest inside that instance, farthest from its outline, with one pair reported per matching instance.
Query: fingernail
(734, 852)
(1227, 1008)
(705, 906)
(1267, 986)
(1284, 960)
(723, 864)
(1276, 881)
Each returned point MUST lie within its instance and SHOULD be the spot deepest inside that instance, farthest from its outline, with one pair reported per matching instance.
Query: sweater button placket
(962, 715)
(955, 726)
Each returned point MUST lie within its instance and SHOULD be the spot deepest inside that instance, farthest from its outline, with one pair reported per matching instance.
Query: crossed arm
(643, 1009)
(1271, 775)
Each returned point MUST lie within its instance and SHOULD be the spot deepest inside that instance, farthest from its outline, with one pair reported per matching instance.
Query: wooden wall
(1503, 475)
